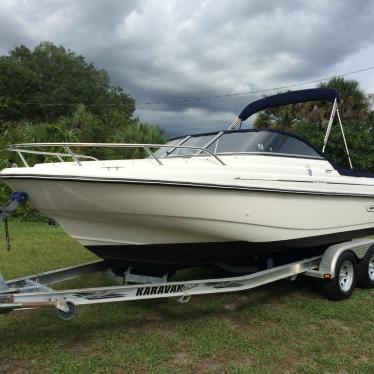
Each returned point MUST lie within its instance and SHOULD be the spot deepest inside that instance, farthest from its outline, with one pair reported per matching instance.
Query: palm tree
(354, 106)
(281, 118)
(355, 103)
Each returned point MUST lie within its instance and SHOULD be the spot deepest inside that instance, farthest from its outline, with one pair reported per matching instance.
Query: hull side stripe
(177, 184)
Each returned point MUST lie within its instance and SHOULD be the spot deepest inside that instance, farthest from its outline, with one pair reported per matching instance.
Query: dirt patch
(290, 364)
(313, 326)
(130, 369)
(182, 359)
(232, 324)
(154, 317)
(364, 359)
(238, 303)
(221, 362)
(334, 324)
(18, 366)
(84, 348)
(210, 365)
(187, 362)
(331, 324)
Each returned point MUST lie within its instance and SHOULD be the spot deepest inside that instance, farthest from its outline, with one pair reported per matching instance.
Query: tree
(354, 106)
(50, 86)
(359, 136)
(49, 82)
(281, 118)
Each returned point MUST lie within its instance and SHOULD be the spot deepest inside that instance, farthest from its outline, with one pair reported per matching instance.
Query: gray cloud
(166, 49)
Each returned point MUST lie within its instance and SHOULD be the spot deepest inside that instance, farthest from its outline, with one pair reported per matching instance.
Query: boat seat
(354, 173)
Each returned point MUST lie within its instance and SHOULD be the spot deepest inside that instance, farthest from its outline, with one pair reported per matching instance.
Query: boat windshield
(193, 141)
(164, 151)
(261, 141)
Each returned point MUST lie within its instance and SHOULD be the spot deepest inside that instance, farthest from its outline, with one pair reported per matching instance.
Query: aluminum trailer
(340, 268)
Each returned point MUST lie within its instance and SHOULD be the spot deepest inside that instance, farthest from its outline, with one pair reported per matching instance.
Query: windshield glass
(163, 151)
(261, 142)
(194, 141)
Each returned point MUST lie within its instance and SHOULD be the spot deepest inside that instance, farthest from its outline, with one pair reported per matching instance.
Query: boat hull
(175, 225)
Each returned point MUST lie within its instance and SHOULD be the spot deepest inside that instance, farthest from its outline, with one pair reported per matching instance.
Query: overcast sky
(174, 49)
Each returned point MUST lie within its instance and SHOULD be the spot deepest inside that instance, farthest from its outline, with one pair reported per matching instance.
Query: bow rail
(27, 148)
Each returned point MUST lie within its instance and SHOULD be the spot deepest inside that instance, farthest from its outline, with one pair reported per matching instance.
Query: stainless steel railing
(27, 148)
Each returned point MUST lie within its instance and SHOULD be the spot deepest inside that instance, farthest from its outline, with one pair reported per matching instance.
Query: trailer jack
(16, 199)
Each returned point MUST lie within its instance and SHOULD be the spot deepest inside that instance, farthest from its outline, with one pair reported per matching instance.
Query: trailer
(340, 269)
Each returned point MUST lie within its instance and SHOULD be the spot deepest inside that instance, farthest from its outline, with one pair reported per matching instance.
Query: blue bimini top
(292, 97)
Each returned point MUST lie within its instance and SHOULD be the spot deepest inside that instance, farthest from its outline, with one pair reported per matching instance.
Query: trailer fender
(358, 247)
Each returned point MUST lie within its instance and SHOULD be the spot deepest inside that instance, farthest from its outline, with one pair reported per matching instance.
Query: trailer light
(327, 276)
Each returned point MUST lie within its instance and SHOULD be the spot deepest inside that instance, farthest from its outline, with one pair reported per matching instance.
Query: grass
(286, 327)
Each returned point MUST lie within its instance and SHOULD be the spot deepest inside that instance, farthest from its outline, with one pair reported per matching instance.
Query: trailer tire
(344, 282)
(365, 277)
(67, 316)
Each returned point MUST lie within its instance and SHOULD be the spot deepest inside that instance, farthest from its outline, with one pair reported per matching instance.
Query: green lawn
(285, 327)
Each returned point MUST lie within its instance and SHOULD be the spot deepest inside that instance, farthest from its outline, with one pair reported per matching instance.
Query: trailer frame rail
(33, 292)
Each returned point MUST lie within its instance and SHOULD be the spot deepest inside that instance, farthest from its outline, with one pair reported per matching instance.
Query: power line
(202, 98)
(256, 91)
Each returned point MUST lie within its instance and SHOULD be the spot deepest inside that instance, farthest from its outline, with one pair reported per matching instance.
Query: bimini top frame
(294, 97)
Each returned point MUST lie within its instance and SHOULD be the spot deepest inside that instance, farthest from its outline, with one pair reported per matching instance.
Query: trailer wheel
(344, 281)
(366, 270)
(67, 316)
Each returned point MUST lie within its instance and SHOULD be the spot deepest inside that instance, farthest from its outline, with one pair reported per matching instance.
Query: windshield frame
(167, 153)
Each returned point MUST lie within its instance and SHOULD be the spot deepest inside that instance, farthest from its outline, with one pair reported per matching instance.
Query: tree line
(50, 94)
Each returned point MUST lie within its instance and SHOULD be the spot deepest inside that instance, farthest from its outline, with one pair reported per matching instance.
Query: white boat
(215, 198)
